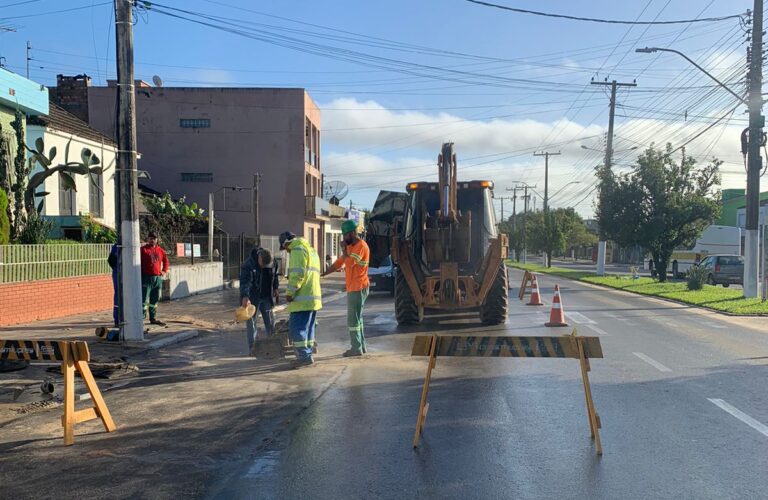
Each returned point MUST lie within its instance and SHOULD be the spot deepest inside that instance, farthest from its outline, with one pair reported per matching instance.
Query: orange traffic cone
(556, 314)
(535, 295)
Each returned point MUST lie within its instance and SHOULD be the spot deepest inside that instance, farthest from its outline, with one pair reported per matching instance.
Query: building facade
(256, 149)
(94, 194)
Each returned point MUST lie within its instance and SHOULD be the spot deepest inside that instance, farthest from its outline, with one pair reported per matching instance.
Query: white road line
(579, 318)
(626, 321)
(758, 426)
(707, 323)
(595, 328)
(652, 362)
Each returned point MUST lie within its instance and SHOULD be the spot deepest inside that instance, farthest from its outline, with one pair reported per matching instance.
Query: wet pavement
(680, 393)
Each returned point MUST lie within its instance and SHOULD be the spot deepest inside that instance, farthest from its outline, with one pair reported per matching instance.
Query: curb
(654, 297)
(172, 339)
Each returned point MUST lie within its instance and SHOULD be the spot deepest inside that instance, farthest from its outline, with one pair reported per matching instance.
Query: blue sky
(500, 85)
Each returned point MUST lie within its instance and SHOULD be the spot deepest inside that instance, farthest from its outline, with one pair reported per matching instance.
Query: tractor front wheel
(406, 310)
(494, 309)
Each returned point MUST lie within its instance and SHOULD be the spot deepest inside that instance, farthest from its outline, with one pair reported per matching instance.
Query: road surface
(681, 394)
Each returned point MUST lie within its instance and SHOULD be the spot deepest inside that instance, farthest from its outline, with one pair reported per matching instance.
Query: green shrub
(5, 224)
(36, 231)
(95, 232)
(696, 277)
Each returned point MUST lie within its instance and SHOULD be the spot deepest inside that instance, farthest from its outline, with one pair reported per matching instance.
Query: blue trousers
(263, 306)
(301, 325)
(115, 300)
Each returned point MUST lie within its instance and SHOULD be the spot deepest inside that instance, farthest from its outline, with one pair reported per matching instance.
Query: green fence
(19, 263)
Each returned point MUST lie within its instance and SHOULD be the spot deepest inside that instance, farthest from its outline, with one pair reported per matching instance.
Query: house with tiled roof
(94, 194)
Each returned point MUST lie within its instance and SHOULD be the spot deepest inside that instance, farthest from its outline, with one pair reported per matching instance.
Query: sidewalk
(186, 318)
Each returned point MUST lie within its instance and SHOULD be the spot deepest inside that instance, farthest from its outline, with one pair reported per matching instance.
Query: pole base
(555, 324)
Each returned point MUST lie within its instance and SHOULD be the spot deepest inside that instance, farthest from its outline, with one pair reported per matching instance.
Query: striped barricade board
(507, 346)
(74, 356)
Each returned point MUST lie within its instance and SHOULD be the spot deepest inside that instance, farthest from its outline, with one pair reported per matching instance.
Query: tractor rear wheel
(406, 310)
(494, 309)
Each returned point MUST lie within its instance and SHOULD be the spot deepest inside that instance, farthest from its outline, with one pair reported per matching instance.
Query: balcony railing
(318, 207)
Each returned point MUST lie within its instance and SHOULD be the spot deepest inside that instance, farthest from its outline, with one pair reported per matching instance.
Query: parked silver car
(724, 269)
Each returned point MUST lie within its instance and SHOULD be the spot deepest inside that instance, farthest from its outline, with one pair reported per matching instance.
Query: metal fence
(19, 263)
(232, 251)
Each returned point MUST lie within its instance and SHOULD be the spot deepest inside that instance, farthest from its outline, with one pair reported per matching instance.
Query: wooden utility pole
(754, 161)
(546, 155)
(601, 245)
(131, 321)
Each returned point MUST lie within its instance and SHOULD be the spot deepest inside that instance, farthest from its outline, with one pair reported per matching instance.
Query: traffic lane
(503, 428)
(679, 341)
(364, 414)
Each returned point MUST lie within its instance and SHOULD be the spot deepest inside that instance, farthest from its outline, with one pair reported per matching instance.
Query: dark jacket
(258, 283)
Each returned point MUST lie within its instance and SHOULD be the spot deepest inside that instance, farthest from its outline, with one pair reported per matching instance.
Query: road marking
(580, 318)
(708, 323)
(595, 328)
(383, 319)
(652, 362)
(627, 321)
(758, 426)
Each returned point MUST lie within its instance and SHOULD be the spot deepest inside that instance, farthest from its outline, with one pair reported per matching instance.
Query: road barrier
(535, 293)
(569, 346)
(527, 282)
(74, 356)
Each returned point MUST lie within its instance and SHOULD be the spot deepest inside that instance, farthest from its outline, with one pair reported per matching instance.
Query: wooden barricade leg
(594, 420)
(423, 404)
(524, 285)
(100, 406)
(68, 370)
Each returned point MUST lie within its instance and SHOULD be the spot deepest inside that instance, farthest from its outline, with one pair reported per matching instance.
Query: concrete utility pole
(131, 322)
(525, 213)
(754, 161)
(546, 155)
(29, 58)
(514, 206)
(210, 228)
(601, 245)
(256, 184)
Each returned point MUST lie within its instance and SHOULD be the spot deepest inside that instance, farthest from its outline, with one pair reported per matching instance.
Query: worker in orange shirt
(354, 259)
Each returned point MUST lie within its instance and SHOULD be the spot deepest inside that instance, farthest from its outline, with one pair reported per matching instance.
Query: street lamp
(650, 50)
(756, 121)
(558, 191)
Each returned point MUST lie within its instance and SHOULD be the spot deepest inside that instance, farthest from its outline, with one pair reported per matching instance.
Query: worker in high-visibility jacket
(302, 294)
(354, 260)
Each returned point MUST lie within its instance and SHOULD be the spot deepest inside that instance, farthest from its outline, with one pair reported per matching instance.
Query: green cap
(348, 225)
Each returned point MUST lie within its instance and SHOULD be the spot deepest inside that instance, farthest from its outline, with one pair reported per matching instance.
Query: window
(195, 123)
(96, 195)
(308, 185)
(308, 141)
(67, 200)
(196, 177)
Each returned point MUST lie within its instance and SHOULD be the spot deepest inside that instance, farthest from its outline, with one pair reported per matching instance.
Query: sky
(396, 79)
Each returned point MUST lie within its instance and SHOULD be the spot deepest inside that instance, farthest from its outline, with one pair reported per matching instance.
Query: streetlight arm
(648, 50)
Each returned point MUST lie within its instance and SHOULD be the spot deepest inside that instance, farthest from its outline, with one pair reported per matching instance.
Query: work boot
(349, 353)
(157, 322)
(299, 363)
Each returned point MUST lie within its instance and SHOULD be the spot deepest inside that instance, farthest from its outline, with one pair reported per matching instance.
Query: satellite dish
(335, 191)
(157, 81)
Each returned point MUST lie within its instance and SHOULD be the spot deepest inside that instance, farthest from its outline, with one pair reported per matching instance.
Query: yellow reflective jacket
(303, 277)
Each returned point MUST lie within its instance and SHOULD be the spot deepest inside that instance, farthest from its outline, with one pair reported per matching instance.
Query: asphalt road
(681, 395)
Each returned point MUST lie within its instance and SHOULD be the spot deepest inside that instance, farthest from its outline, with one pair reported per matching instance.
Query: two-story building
(256, 149)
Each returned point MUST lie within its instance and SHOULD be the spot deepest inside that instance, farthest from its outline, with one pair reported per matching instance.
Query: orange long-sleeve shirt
(355, 265)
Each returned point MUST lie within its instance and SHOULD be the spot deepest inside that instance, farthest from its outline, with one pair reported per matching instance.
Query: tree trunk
(549, 259)
(661, 264)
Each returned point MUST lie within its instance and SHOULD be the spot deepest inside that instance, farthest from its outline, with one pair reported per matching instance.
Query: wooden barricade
(569, 346)
(74, 356)
(526, 284)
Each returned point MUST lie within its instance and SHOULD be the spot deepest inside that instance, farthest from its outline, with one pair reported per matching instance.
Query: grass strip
(713, 297)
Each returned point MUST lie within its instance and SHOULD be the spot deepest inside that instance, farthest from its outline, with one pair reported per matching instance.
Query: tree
(170, 219)
(659, 205)
(5, 225)
(579, 236)
(21, 171)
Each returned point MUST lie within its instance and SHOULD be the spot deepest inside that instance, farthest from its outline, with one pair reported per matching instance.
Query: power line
(607, 21)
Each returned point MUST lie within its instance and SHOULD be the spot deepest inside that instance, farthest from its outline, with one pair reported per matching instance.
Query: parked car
(382, 278)
(724, 269)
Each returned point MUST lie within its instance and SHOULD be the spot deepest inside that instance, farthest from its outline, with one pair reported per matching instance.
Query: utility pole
(131, 322)
(210, 228)
(29, 58)
(256, 184)
(754, 161)
(546, 155)
(525, 213)
(601, 245)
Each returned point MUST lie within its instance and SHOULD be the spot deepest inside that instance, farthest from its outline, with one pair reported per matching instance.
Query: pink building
(195, 141)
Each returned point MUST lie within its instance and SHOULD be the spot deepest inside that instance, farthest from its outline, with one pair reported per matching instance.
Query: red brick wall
(35, 300)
